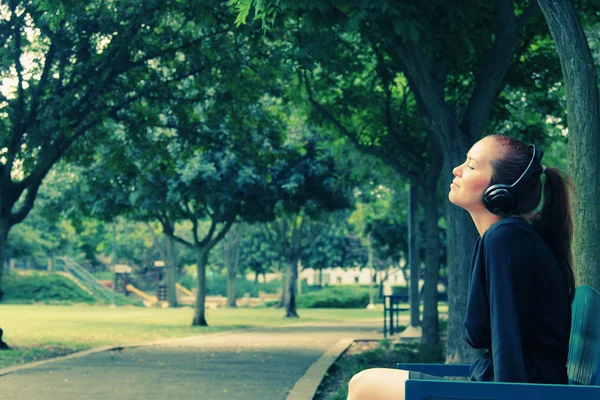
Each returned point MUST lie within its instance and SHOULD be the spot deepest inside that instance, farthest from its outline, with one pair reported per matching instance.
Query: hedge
(43, 288)
(339, 296)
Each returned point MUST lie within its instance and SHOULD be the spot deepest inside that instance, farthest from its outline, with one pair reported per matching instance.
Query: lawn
(43, 331)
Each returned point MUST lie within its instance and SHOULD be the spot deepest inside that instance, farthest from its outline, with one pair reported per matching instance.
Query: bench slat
(439, 390)
(437, 369)
(583, 366)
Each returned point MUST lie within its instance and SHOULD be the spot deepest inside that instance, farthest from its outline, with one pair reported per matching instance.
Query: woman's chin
(450, 196)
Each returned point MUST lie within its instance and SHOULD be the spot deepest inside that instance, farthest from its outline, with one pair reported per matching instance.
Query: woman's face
(472, 177)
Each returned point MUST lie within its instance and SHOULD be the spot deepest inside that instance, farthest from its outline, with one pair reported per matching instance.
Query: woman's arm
(509, 264)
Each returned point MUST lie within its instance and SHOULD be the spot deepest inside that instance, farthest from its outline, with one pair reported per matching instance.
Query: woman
(521, 284)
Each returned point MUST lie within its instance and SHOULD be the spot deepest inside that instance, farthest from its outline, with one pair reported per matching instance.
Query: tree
(583, 109)
(256, 253)
(335, 246)
(313, 189)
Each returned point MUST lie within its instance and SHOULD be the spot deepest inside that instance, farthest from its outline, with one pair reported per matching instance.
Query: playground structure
(103, 290)
(84, 279)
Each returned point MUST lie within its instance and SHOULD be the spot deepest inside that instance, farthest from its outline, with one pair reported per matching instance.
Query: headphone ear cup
(499, 200)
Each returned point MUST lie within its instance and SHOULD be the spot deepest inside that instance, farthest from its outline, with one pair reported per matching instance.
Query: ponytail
(554, 223)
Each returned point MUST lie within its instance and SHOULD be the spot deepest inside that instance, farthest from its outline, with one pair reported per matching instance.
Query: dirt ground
(360, 355)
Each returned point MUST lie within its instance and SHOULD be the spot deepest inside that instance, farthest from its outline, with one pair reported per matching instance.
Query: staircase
(83, 276)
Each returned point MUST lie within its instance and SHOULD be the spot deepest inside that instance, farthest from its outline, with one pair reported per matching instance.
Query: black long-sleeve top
(518, 308)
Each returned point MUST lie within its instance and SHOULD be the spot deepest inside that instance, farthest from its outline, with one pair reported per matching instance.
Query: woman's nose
(456, 170)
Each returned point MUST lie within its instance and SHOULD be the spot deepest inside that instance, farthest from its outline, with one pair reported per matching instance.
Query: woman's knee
(377, 383)
(359, 383)
(358, 380)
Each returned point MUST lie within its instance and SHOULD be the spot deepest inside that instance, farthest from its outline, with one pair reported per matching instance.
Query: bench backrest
(583, 366)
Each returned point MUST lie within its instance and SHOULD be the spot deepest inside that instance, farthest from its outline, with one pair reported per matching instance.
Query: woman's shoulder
(509, 229)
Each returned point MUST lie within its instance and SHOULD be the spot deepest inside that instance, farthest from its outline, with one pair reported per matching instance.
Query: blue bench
(583, 367)
(393, 305)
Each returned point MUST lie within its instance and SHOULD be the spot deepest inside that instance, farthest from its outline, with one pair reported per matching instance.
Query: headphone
(502, 199)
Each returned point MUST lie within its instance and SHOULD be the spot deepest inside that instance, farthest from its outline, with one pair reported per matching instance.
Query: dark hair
(553, 222)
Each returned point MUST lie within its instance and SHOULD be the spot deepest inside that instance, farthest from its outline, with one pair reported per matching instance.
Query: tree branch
(489, 77)
(211, 231)
(19, 113)
(162, 251)
(39, 89)
(222, 233)
(182, 241)
(370, 150)
(315, 230)
(22, 212)
(195, 230)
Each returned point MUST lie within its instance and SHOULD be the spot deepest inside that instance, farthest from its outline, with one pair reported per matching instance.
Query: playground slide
(184, 290)
(143, 295)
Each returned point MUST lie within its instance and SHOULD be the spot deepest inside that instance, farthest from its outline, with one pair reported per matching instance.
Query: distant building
(340, 276)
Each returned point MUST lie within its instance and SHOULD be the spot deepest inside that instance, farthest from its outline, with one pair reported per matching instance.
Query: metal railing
(86, 278)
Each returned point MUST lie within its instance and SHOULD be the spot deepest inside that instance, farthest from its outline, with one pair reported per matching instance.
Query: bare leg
(378, 384)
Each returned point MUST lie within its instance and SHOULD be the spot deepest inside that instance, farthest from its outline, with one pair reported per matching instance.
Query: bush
(217, 285)
(43, 288)
(341, 296)
(400, 290)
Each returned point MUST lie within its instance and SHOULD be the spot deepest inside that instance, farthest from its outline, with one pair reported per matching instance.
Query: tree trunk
(231, 256)
(432, 264)
(171, 263)
(290, 304)
(413, 255)
(583, 112)
(4, 229)
(370, 266)
(299, 281)
(199, 311)
(231, 288)
(284, 288)
(461, 235)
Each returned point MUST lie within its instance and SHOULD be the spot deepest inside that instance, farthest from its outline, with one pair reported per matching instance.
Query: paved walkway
(260, 364)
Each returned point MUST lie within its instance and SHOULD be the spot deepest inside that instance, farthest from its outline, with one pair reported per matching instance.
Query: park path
(258, 364)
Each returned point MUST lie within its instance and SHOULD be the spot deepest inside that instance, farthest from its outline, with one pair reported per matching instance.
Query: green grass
(385, 355)
(43, 331)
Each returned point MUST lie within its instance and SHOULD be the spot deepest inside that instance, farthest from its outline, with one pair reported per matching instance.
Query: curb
(17, 368)
(306, 387)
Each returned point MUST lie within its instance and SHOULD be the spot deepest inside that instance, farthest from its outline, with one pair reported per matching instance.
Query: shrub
(400, 290)
(217, 285)
(43, 288)
(341, 296)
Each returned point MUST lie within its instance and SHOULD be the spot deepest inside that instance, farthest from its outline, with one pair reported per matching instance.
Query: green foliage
(43, 288)
(265, 11)
(216, 285)
(335, 246)
(400, 290)
(339, 296)
(380, 355)
(430, 353)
